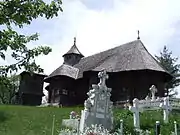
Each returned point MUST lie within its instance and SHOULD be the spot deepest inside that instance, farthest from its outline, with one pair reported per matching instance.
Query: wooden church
(131, 69)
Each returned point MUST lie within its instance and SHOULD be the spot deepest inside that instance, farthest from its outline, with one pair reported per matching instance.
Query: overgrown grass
(20, 120)
(147, 120)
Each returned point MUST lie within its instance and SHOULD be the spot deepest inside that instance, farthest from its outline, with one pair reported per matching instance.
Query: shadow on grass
(4, 116)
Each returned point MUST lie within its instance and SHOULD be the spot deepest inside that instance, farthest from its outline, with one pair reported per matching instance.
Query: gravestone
(153, 103)
(166, 109)
(98, 107)
(72, 122)
(135, 110)
(153, 91)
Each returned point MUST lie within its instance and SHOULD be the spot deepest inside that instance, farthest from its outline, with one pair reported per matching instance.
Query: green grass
(20, 120)
(147, 120)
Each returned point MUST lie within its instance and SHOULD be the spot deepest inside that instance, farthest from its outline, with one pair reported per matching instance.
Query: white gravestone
(153, 90)
(98, 107)
(166, 109)
(153, 103)
(72, 122)
(175, 103)
(135, 110)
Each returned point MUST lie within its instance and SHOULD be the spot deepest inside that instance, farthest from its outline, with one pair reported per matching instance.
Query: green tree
(170, 64)
(8, 87)
(17, 14)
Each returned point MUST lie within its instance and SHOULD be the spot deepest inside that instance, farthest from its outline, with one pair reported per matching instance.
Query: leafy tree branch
(17, 14)
(20, 13)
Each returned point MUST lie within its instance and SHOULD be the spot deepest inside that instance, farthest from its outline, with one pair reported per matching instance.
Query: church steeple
(74, 49)
(73, 56)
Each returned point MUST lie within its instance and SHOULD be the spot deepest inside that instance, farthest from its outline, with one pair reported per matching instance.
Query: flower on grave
(77, 116)
(73, 115)
(99, 130)
(96, 130)
(91, 134)
(142, 132)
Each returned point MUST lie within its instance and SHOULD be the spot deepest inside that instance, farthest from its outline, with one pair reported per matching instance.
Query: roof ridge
(112, 48)
(99, 63)
(78, 49)
(140, 52)
(115, 60)
(153, 58)
(35, 73)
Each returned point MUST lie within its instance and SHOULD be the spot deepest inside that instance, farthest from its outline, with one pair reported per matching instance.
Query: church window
(64, 92)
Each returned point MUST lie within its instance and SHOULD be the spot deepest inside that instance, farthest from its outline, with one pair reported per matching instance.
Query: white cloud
(98, 30)
(98, 26)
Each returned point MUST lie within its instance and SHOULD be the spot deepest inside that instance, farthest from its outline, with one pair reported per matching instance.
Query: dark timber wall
(125, 86)
(31, 89)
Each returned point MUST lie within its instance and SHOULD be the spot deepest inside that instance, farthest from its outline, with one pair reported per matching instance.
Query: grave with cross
(166, 109)
(153, 91)
(135, 110)
(98, 107)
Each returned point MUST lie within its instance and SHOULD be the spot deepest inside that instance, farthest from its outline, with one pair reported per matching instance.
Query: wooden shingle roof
(64, 70)
(126, 57)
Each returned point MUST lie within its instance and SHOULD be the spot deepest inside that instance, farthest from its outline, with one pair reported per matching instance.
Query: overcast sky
(103, 24)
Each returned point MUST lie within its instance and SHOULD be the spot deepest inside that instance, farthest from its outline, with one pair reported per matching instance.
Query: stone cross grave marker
(153, 90)
(98, 107)
(166, 109)
(135, 110)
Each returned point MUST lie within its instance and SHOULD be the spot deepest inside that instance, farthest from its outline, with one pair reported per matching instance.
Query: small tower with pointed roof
(73, 56)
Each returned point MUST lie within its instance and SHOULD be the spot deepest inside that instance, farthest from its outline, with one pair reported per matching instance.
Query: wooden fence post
(121, 127)
(175, 128)
(53, 125)
(158, 128)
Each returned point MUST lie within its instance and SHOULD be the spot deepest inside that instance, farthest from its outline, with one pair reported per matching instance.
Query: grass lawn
(148, 120)
(20, 120)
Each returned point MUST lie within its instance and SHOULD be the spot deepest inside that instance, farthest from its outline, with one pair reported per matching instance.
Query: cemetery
(123, 90)
(98, 116)
(89, 101)
(130, 64)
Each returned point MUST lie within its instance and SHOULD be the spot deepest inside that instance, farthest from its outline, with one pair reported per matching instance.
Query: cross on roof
(74, 40)
(138, 35)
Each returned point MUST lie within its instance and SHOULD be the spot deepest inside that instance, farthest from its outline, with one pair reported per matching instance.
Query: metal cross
(74, 40)
(138, 35)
